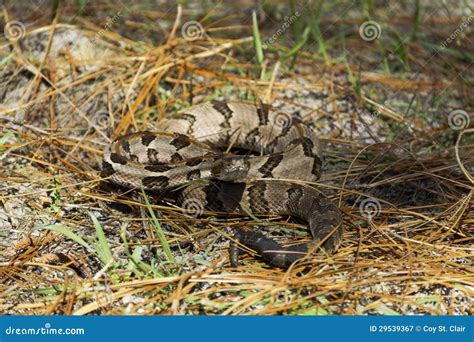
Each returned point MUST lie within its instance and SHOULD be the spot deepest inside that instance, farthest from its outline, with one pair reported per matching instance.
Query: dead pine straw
(396, 163)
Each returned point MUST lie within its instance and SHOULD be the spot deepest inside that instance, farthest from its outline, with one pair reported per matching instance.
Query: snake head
(231, 169)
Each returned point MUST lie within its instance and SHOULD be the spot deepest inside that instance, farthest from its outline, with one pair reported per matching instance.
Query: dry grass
(72, 246)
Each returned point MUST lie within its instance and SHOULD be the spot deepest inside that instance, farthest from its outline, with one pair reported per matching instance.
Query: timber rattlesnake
(190, 149)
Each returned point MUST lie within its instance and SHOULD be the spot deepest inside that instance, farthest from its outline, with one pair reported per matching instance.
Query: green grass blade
(5, 137)
(314, 312)
(134, 259)
(135, 264)
(356, 85)
(257, 40)
(316, 33)
(66, 232)
(385, 310)
(5, 60)
(299, 44)
(156, 225)
(101, 246)
(428, 299)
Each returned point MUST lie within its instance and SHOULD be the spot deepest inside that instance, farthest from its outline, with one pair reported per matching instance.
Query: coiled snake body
(190, 149)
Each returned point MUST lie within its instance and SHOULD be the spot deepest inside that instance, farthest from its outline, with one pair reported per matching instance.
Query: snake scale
(190, 152)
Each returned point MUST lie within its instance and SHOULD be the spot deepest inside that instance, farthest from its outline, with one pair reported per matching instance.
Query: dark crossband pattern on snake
(189, 152)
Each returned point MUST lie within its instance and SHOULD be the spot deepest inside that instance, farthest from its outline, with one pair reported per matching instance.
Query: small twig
(175, 25)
